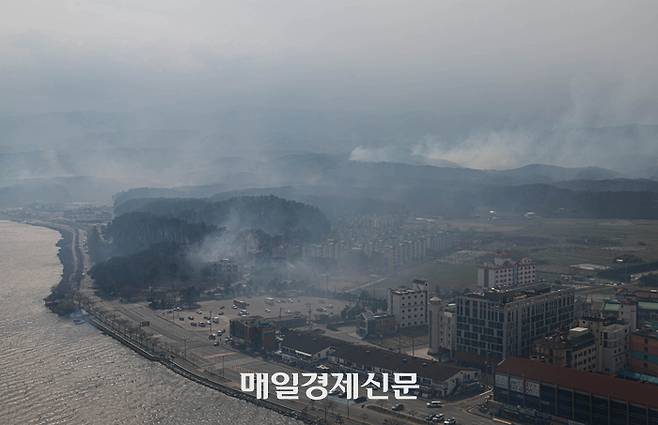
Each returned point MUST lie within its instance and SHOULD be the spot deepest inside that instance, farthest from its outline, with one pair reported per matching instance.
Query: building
(575, 349)
(289, 321)
(225, 270)
(505, 272)
(643, 356)
(612, 339)
(646, 305)
(377, 325)
(531, 390)
(409, 305)
(442, 327)
(435, 379)
(309, 348)
(253, 333)
(625, 311)
(499, 323)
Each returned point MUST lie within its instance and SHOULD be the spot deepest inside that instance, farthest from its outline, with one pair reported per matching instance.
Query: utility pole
(310, 310)
(413, 345)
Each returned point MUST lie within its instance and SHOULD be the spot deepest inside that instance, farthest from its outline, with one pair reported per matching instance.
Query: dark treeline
(137, 231)
(148, 244)
(271, 214)
(128, 276)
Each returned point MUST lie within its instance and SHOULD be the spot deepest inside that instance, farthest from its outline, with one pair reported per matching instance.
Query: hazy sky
(474, 66)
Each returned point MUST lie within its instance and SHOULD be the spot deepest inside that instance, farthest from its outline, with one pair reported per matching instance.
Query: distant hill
(58, 190)
(542, 173)
(340, 187)
(551, 201)
(610, 185)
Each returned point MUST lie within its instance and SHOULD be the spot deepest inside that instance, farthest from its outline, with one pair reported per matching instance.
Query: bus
(240, 304)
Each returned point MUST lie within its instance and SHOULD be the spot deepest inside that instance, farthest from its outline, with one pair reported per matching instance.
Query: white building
(505, 272)
(612, 342)
(409, 305)
(442, 327)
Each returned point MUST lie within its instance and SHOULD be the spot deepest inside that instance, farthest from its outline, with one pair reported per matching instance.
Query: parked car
(435, 419)
(434, 404)
(397, 407)
(451, 421)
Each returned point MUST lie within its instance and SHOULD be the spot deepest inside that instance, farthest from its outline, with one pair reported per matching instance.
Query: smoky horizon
(478, 85)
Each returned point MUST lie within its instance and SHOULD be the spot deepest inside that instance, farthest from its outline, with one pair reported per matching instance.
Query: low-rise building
(575, 349)
(643, 356)
(309, 348)
(435, 379)
(544, 393)
(375, 325)
(253, 333)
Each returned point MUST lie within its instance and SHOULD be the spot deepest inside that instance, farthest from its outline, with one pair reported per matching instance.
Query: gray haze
(151, 92)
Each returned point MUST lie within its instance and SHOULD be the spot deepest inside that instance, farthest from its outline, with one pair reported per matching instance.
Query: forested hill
(270, 214)
(137, 231)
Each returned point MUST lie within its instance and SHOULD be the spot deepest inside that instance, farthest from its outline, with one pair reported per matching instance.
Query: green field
(555, 244)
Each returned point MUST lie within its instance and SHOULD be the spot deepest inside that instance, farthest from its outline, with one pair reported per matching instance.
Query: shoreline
(198, 378)
(69, 284)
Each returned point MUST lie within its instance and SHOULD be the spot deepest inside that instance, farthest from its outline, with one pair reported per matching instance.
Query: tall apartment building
(409, 305)
(504, 272)
(442, 326)
(612, 340)
(499, 323)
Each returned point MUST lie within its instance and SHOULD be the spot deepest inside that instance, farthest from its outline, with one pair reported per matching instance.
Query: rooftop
(364, 355)
(391, 360)
(594, 383)
(407, 291)
(309, 342)
(507, 295)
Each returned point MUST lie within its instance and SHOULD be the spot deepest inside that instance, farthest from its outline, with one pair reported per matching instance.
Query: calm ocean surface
(55, 372)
